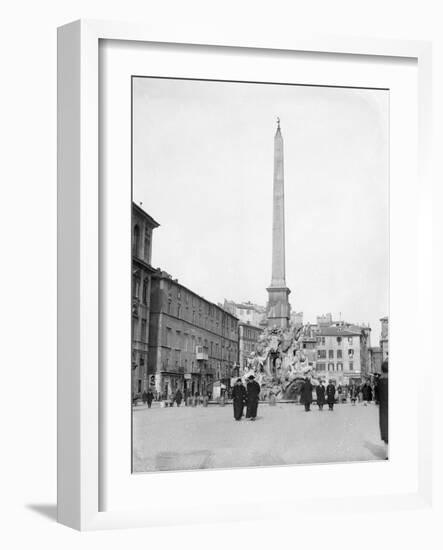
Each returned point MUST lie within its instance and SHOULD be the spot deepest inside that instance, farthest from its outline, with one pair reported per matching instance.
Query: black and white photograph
(260, 274)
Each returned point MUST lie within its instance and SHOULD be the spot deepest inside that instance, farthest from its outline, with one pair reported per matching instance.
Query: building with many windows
(193, 343)
(342, 351)
(142, 228)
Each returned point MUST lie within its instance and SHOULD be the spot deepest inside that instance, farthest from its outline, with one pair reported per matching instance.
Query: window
(136, 284)
(178, 310)
(331, 354)
(145, 291)
(168, 337)
(351, 353)
(321, 354)
(340, 366)
(147, 253)
(338, 339)
(339, 354)
(169, 306)
(178, 339)
(350, 341)
(136, 240)
(351, 365)
(330, 366)
(143, 334)
(321, 366)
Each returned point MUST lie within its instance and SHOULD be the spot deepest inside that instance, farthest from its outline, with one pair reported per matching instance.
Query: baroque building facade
(193, 343)
(142, 229)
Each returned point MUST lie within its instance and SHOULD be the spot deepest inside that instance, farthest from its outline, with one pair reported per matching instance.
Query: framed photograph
(244, 261)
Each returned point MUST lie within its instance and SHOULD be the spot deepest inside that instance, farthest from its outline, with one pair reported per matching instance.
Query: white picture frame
(80, 416)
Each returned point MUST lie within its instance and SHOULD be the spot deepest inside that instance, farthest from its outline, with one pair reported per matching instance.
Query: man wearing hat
(238, 398)
(253, 393)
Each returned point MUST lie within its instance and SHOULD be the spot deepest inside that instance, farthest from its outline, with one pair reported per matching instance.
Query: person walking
(149, 397)
(330, 395)
(376, 379)
(178, 397)
(383, 398)
(353, 392)
(253, 393)
(306, 394)
(320, 391)
(238, 398)
(144, 397)
(366, 392)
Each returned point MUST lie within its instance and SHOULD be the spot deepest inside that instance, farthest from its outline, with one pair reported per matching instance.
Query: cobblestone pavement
(188, 438)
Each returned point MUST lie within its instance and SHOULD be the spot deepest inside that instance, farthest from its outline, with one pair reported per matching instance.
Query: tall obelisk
(278, 309)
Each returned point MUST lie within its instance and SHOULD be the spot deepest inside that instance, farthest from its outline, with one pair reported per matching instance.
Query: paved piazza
(189, 438)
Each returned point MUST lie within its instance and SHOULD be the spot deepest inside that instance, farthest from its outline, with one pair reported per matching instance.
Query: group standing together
(248, 397)
(324, 395)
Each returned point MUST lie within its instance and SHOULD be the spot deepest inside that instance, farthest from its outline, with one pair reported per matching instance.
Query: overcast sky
(203, 168)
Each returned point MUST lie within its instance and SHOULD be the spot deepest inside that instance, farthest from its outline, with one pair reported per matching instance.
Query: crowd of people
(332, 393)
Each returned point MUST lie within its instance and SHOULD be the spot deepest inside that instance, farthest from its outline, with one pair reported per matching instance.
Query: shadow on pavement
(48, 511)
(377, 450)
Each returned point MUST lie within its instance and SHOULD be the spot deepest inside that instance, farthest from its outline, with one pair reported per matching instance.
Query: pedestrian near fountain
(253, 393)
(238, 399)
(320, 391)
(366, 392)
(306, 394)
(330, 395)
(149, 397)
(353, 392)
(383, 395)
(178, 397)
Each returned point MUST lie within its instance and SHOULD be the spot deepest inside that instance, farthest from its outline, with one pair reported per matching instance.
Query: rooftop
(144, 214)
(160, 274)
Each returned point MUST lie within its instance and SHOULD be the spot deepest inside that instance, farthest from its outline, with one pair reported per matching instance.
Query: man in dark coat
(178, 397)
(149, 397)
(376, 378)
(253, 393)
(383, 396)
(238, 399)
(320, 391)
(366, 392)
(330, 395)
(353, 392)
(306, 394)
